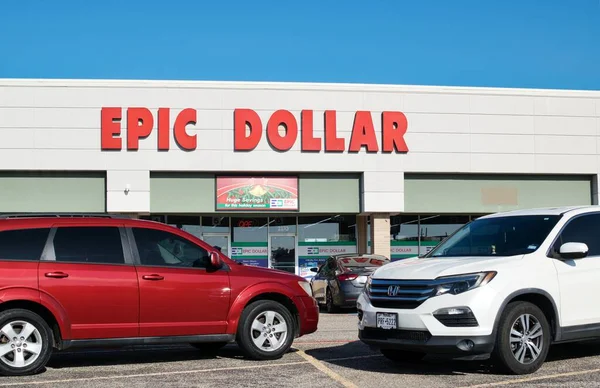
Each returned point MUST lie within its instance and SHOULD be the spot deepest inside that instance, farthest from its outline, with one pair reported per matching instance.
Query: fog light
(466, 345)
(456, 317)
(453, 311)
(360, 315)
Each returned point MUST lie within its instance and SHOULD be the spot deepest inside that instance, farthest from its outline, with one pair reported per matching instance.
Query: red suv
(71, 281)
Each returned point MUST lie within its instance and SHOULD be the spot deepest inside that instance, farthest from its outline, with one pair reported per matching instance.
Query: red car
(70, 281)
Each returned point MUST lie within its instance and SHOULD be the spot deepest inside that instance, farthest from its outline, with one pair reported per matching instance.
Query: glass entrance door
(282, 252)
(218, 240)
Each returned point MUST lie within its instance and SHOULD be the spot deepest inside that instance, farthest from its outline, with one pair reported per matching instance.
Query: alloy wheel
(269, 331)
(526, 339)
(20, 344)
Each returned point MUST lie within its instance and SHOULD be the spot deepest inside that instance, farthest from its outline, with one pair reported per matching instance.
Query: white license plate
(387, 321)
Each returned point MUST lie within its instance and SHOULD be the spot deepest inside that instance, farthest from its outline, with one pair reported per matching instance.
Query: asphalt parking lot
(332, 357)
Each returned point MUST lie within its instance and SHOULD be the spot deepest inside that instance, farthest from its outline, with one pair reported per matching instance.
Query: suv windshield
(497, 236)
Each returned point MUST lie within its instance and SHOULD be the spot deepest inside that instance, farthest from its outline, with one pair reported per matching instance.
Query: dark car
(341, 279)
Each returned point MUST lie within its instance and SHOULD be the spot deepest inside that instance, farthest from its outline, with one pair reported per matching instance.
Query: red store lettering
(393, 127)
(140, 123)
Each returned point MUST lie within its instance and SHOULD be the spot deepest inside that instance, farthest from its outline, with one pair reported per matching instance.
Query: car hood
(269, 273)
(431, 268)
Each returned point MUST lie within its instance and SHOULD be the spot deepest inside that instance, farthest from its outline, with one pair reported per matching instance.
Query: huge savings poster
(265, 193)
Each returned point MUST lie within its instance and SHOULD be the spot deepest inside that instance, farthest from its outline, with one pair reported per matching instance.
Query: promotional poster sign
(313, 254)
(252, 193)
(251, 253)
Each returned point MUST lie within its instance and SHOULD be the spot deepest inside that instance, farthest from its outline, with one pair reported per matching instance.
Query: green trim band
(249, 244)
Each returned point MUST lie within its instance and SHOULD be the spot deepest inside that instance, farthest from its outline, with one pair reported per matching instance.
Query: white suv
(506, 285)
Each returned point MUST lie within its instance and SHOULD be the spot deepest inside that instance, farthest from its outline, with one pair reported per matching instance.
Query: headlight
(368, 283)
(458, 284)
(306, 287)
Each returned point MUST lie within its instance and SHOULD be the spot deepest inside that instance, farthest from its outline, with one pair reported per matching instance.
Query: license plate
(387, 321)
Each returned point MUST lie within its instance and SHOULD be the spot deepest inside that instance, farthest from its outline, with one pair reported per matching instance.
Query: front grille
(404, 335)
(410, 294)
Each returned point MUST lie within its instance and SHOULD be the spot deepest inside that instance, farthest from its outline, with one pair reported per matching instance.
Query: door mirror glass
(573, 250)
(215, 260)
(314, 269)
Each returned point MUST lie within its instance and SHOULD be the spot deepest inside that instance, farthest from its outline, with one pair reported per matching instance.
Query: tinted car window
(101, 245)
(23, 244)
(583, 229)
(497, 236)
(160, 248)
(328, 267)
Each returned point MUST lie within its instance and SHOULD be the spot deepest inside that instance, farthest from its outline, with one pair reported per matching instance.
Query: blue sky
(506, 43)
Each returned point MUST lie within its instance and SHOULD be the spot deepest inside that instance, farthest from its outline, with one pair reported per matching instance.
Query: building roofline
(268, 85)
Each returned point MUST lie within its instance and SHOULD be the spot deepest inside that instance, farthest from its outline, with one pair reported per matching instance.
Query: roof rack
(61, 215)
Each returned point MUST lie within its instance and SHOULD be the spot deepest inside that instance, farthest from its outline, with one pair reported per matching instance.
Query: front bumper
(419, 330)
(308, 311)
(454, 347)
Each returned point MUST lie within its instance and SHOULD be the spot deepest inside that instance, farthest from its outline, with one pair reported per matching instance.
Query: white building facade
(386, 169)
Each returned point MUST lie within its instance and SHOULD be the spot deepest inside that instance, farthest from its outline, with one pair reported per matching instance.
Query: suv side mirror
(215, 260)
(573, 250)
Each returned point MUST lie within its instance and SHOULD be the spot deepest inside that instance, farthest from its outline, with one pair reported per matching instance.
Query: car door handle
(153, 277)
(57, 275)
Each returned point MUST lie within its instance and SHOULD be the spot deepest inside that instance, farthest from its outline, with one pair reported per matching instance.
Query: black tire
(402, 355)
(503, 351)
(210, 348)
(45, 337)
(245, 332)
(330, 303)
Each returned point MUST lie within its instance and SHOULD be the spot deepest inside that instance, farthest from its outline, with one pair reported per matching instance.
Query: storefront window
(155, 217)
(250, 240)
(215, 232)
(215, 224)
(282, 225)
(190, 224)
(322, 236)
(327, 228)
(404, 236)
(435, 228)
(438, 227)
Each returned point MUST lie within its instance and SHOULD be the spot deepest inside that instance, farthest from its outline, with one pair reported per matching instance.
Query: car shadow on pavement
(368, 360)
(573, 350)
(138, 355)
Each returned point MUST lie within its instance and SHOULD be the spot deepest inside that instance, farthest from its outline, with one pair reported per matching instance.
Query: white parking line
(324, 342)
(537, 378)
(182, 372)
(159, 374)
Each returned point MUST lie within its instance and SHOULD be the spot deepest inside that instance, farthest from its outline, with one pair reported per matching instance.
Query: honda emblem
(393, 290)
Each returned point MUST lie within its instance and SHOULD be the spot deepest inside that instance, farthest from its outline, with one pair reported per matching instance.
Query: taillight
(347, 276)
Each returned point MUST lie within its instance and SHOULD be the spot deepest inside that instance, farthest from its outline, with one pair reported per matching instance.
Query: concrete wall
(55, 125)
